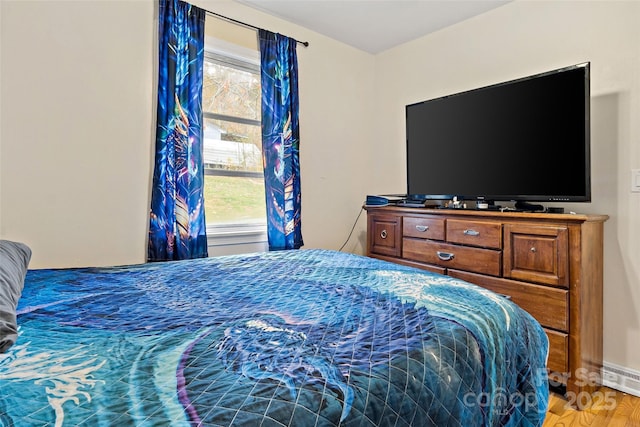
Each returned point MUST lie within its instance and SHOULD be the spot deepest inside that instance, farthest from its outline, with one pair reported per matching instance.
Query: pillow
(14, 261)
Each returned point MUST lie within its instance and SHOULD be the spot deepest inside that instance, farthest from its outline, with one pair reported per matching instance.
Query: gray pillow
(14, 261)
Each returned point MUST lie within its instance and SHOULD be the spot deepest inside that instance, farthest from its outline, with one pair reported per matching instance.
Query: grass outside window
(232, 200)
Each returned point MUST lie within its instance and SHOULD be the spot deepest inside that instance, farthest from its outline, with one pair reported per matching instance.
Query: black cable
(351, 232)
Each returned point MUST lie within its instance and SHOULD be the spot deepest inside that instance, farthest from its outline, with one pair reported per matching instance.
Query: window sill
(236, 234)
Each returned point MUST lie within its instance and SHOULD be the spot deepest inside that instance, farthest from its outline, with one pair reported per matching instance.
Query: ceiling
(374, 25)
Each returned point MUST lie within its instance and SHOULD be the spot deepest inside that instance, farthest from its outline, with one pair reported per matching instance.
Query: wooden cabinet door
(537, 254)
(384, 236)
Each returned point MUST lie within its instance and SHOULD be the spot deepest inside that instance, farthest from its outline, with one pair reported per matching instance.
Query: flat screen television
(525, 140)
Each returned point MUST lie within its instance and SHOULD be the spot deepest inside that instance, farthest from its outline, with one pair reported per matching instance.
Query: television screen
(522, 140)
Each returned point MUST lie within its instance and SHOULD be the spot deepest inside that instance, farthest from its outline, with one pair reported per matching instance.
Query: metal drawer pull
(383, 234)
(470, 232)
(533, 249)
(445, 256)
(422, 227)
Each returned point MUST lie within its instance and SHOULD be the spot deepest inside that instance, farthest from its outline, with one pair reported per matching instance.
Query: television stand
(529, 207)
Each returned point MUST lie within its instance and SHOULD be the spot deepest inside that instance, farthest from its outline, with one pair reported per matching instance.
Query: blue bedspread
(295, 338)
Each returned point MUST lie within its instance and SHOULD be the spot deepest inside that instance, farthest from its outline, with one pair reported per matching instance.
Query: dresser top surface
(490, 214)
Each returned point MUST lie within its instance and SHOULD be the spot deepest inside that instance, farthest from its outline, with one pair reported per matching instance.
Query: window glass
(232, 147)
(231, 88)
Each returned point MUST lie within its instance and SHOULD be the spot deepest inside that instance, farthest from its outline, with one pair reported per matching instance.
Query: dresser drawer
(424, 227)
(537, 254)
(475, 233)
(558, 351)
(484, 261)
(549, 306)
(385, 236)
(422, 266)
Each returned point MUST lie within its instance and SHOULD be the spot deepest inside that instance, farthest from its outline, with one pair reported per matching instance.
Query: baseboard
(621, 378)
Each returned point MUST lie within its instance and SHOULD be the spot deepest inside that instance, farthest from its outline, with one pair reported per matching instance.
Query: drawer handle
(533, 249)
(470, 232)
(383, 234)
(422, 228)
(445, 256)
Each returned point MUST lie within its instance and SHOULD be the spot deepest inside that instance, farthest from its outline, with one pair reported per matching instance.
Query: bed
(291, 338)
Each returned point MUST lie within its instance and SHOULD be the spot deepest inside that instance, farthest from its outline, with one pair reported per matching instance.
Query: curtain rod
(235, 21)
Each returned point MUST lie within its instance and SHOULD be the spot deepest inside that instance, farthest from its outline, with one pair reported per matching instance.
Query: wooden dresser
(549, 264)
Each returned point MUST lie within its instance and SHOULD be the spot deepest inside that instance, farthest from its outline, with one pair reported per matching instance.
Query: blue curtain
(177, 223)
(280, 139)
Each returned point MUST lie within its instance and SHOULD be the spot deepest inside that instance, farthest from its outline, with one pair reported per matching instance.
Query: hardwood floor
(609, 408)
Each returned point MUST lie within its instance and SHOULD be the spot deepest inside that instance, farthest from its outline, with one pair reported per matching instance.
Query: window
(232, 147)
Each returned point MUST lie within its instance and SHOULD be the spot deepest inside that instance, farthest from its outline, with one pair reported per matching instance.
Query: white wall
(76, 129)
(78, 112)
(520, 39)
